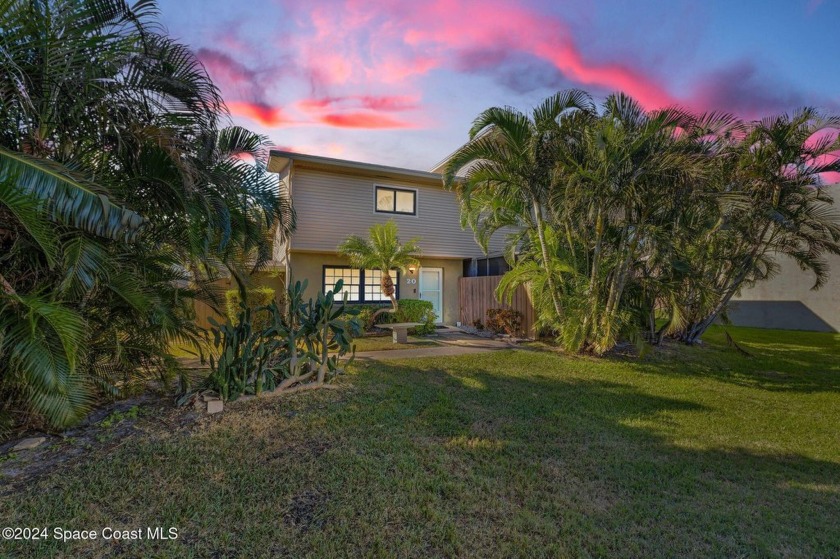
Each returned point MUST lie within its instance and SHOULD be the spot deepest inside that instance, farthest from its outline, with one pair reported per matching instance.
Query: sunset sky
(398, 82)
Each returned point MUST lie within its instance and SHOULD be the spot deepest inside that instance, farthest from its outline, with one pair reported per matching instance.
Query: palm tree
(117, 188)
(382, 251)
(508, 164)
(620, 178)
(778, 209)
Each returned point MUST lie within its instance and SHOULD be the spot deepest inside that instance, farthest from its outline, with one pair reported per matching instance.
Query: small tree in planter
(382, 251)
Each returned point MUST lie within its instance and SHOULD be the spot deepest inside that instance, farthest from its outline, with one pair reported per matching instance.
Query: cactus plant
(243, 362)
(300, 349)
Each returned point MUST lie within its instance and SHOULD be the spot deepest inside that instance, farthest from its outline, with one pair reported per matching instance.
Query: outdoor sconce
(411, 269)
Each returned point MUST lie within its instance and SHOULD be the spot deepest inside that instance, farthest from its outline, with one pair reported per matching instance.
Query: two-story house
(335, 198)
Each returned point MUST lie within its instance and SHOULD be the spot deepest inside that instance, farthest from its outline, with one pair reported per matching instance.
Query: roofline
(284, 158)
(443, 162)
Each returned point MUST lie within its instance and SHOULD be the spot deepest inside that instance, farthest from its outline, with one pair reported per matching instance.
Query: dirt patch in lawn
(105, 429)
(302, 512)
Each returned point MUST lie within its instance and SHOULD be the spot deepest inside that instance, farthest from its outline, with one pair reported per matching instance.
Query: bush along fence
(299, 348)
(504, 321)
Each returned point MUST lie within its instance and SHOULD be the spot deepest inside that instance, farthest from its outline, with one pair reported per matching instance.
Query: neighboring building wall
(787, 301)
(274, 280)
(332, 206)
(310, 266)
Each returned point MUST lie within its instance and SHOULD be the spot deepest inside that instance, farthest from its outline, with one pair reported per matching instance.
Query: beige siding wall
(331, 206)
(787, 301)
(309, 266)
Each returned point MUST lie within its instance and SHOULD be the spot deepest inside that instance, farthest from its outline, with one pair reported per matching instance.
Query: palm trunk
(544, 249)
(697, 330)
(592, 317)
(570, 241)
(386, 284)
(623, 272)
(596, 253)
(616, 278)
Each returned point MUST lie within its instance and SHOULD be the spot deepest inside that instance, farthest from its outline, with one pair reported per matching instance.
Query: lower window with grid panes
(360, 286)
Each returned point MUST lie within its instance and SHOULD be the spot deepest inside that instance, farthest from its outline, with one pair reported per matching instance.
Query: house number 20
(411, 281)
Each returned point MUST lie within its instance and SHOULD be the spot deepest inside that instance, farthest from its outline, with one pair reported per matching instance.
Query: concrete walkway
(452, 343)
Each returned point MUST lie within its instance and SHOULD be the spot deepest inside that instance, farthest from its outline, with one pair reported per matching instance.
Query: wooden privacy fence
(479, 294)
(203, 311)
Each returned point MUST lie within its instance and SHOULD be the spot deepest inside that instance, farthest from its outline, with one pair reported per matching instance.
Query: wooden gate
(479, 294)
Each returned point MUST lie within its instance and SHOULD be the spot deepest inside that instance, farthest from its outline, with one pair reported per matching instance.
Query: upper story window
(396, 200)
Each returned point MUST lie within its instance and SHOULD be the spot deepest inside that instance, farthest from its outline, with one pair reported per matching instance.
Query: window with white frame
(361, 286)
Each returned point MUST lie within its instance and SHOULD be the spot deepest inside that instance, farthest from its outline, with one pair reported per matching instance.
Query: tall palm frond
(68, 197)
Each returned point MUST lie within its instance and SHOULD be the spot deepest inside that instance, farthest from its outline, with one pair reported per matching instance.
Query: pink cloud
(362, 120)
(832, 158)
(831, 177)
(321, 112)
(351, 43)
(371, 102)
(822, 138)
(743, 89)
(264, 114)
(224, 69)
(230, 39)
(503, 27)
(350, 64)
(354, 47)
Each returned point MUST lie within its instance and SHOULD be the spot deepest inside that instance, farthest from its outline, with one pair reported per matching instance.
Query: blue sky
(398, 82)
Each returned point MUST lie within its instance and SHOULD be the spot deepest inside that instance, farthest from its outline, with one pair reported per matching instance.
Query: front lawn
(692, 452)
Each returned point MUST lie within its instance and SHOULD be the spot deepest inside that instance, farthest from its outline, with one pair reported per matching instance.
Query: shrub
(504, 321)
(257, 297)
(413, 310)
(428, 326)
(366, 312)
(477, 324)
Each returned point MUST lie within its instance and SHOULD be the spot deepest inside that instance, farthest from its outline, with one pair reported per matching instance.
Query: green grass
(385, 343)
(692, 452)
